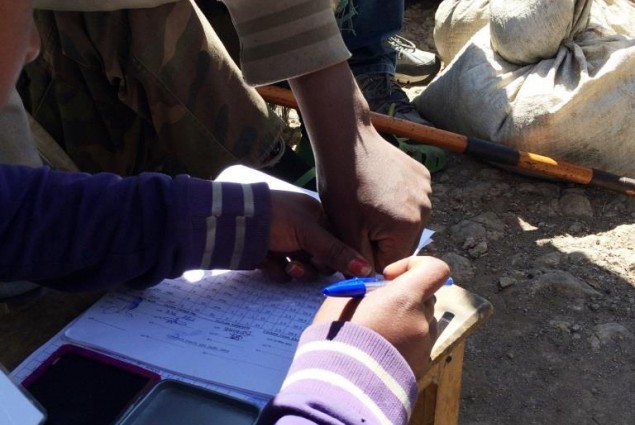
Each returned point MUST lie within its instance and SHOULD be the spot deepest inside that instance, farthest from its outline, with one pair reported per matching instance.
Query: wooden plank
(448, 396)
(425, 409)
(440, 387)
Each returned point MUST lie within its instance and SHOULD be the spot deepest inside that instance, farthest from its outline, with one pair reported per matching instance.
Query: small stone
(563, 283)
(461, 267)
(576, 228)
(491, 221)
(479, 250)
(575, 205)
(467, 230)
(611, 331)
(561, 325)
(548, 260)
(506, 282)
(519, 259)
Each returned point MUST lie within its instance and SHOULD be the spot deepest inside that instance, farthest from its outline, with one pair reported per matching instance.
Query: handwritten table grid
(271, 307)
(234, 328)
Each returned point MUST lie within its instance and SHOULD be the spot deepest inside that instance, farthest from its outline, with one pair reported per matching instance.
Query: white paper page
(234, 328)
(16, 408)
(24, 369)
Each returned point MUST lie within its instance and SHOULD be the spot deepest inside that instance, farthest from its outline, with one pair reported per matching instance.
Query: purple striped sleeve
(237, 226)
(76, 231)
(344, 374)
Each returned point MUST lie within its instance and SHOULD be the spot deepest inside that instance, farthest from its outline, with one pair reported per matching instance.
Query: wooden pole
(481, 149)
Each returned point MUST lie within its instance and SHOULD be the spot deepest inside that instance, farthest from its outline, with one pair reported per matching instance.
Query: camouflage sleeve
(286, 39)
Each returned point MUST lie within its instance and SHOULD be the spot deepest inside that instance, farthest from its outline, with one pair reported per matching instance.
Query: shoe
(413, 65)
(385, 96)
(432, 157)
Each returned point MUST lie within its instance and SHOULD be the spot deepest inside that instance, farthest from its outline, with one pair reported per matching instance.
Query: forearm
(344, 374)
(375, 196)
(75, 231)
(301, 42)
(337, 119)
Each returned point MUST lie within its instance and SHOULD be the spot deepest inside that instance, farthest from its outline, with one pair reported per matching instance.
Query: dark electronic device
(77, 386)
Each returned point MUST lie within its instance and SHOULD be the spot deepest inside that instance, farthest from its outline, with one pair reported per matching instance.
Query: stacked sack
(553, 77)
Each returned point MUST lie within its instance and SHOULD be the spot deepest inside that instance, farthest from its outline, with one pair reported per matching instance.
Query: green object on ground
(305, 151)
(432, 157)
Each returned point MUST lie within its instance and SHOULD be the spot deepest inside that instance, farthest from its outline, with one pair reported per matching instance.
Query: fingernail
(295, 270)
(359, 267)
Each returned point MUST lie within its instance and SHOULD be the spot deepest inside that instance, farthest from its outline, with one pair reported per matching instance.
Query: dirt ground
(557, 261)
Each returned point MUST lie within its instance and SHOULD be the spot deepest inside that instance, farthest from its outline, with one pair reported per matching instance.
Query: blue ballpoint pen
(359, 286)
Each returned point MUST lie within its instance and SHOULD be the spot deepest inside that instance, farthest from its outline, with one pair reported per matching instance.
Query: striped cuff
(355, 368)
(237, 226)
(286, 39)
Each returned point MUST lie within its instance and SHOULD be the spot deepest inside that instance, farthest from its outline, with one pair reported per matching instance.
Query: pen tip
(449, 282)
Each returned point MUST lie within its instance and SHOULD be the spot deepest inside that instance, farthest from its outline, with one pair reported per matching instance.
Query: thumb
(419, 275)
(333, 253)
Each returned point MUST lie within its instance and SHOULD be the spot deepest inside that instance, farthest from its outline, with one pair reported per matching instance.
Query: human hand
(299, 232)
(402, 311)
(375, 196)
(381, 209)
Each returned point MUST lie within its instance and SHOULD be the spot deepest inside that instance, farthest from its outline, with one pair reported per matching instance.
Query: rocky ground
(557, 261)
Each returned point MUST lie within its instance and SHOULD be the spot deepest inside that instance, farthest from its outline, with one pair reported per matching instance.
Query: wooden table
(27, 324)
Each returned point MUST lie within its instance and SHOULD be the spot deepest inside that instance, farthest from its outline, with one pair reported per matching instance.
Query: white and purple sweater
(344, 374)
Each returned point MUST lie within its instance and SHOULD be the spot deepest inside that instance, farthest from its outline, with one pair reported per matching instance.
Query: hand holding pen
(402, 311)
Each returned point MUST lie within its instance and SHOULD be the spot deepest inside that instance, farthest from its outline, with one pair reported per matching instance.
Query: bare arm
(376, 197)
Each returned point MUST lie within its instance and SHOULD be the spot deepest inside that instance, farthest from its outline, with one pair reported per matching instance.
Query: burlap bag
(553, 77)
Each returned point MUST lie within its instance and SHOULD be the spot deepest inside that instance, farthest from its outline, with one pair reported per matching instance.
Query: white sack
(455, 22)
(577, 105)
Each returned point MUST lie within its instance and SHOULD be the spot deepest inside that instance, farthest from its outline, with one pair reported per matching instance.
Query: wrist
(334, 110)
